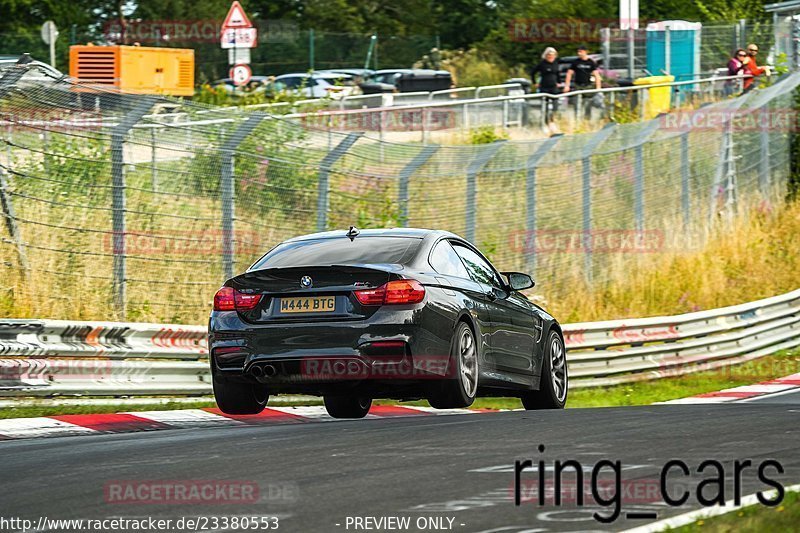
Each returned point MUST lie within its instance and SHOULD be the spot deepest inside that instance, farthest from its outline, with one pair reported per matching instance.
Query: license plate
(309, 304)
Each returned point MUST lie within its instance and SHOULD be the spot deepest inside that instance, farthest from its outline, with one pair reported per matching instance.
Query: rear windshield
(339, 251)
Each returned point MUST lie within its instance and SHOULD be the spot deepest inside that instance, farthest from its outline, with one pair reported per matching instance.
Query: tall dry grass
(747, 259)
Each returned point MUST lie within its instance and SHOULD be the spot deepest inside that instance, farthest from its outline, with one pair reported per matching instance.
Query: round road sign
(240, 74)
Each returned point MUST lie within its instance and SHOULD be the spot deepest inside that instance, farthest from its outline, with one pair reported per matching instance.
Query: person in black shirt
(547, 70)
(583, 75)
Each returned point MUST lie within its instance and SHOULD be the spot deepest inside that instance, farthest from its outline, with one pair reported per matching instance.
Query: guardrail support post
(118, 186)
(402, 193)
(323, 189)
(475, 167)
(586, 166)
(529, 241)
(227, 190)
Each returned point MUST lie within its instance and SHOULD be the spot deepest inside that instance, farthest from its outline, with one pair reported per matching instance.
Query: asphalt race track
(314, 476)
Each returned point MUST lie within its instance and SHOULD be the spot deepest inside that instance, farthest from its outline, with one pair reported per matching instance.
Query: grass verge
(752, 519)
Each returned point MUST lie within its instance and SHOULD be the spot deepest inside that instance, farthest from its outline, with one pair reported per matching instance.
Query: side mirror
(519, 281)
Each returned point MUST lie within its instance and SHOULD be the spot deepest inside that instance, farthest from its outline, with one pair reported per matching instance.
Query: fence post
(475, 167)
(631, 52)
(605, 46)
(685, 206)
(743, 32)
(227, 189)
(153, 171)
(638, 190)
(323, 189)
(529, 242)
(724, 180)
(118, 134)
(764, 177)
(402, 193)
(11, 222)
(425, 136)
(586, 167)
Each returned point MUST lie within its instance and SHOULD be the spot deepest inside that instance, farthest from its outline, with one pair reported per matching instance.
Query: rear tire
(554, 383)
(460, 391)
(347, 406)
(240, 398)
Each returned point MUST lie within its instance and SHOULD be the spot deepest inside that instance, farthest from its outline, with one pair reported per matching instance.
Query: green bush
(486, 135)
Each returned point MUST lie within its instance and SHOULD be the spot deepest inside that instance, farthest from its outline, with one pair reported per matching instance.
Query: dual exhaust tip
(263, 371)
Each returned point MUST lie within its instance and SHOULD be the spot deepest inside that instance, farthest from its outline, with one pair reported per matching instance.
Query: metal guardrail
(510, 110)
(63, 358)
(429, 102)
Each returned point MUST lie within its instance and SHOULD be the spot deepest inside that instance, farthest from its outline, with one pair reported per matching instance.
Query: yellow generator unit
(134, 69)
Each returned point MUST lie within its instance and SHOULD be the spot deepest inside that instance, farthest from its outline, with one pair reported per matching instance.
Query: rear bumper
(393, 346)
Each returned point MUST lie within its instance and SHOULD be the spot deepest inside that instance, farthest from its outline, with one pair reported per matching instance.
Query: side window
(291, 83)
(477, 266)
(445, 260)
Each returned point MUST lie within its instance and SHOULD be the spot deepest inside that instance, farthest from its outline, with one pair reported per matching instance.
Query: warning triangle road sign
(236, 17)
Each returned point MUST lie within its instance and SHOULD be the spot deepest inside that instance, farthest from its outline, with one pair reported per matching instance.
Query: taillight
(371, 296)
(401, 291)
(229, 299)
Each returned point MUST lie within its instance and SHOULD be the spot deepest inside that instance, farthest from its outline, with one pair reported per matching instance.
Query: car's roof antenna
(352, 233)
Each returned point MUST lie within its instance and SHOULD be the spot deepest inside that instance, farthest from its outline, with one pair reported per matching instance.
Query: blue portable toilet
(673, 47)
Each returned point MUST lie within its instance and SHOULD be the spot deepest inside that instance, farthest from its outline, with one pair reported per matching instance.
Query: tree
(731, 10)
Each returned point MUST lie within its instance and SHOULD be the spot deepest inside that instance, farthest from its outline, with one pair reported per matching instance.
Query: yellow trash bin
(658, 99)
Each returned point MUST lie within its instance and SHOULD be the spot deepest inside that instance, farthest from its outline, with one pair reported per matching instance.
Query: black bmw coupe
(389, 313)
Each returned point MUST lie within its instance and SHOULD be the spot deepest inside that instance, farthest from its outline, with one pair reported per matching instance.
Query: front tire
(347, 406)
(554, 383)
(240, 398)
(461, 390)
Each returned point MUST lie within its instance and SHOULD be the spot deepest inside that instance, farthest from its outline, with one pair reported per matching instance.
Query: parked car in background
(256, 84)
(407, 80)
(316, 85)
(359, 75)
(40, 72)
